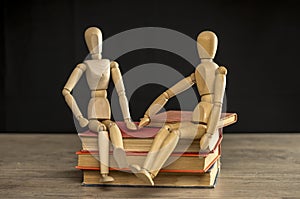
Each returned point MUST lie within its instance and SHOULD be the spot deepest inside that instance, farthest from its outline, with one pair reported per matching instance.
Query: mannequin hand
(144, 121)
(130, 125)
(83, 122)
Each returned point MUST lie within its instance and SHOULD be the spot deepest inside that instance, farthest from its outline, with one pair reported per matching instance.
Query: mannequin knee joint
(167, 127)
(112, 125)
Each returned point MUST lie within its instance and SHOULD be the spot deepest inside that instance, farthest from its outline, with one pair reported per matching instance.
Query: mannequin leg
(143, 173)
(189, 131)
(156, 146)
(117, 141)
(165, 151)
(103, 147)
(103, 143)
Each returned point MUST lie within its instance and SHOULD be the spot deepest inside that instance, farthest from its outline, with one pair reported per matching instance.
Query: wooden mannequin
(97, 72)
(210, 80)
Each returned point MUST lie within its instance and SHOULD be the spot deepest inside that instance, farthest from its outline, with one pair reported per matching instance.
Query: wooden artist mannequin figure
(98, 72)
(210, 80)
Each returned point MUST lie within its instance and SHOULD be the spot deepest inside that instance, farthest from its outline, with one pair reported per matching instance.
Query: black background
(42, 41)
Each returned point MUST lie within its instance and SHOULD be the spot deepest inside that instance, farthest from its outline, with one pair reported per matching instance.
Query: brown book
(177, 162)
(163, 179)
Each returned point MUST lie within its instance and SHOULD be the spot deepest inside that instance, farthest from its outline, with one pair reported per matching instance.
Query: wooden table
(253, 166)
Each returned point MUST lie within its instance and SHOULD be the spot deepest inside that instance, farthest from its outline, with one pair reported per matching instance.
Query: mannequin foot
(120, 157)
(134, 168)
(142, 174)
(106, 178)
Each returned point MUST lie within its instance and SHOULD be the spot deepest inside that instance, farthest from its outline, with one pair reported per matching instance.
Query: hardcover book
(177, 162)
(141, 139)
(164, 179)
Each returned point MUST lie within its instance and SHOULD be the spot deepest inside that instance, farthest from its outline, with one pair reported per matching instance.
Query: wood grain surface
(253, 166)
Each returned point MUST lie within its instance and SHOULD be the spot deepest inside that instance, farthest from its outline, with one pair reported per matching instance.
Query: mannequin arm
(72, 81)
(219, 90)
(159, 102)
(118, 81)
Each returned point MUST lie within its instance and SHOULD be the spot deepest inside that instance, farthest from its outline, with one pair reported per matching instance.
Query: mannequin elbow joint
(166, 96)
(114, 64)
(65, 92)
(222, 70)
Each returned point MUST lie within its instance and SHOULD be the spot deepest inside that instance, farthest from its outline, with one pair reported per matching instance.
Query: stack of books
(186, 167)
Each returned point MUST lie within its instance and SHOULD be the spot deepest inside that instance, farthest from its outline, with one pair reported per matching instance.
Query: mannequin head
(207, 43)
(93, 39)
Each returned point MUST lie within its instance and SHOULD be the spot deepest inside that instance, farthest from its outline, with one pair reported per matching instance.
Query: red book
(141, 139)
